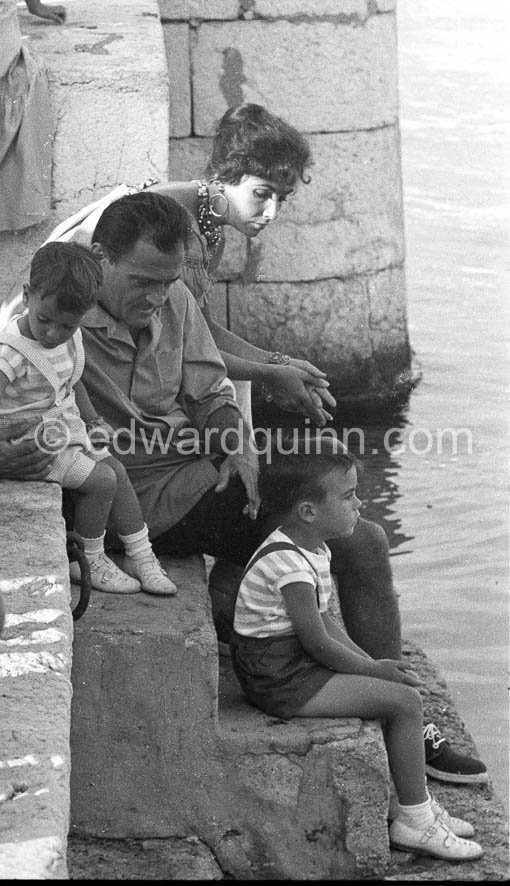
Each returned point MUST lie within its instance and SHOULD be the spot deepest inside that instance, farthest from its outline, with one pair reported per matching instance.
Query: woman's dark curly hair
(251, 141)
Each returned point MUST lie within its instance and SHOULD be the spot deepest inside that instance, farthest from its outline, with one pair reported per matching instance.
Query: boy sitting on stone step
(41, 362)
(293, 658)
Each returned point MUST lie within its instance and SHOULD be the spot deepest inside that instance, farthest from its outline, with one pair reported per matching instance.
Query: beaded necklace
(211, 232)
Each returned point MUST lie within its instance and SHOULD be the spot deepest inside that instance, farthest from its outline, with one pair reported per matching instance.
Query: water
(446, 513)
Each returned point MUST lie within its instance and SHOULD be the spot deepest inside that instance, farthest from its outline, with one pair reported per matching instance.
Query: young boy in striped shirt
(41, 396)
(293, 657)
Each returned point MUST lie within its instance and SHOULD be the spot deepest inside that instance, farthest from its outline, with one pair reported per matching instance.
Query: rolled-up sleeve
(204, 384)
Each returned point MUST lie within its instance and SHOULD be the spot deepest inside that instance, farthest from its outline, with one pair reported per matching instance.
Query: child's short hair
(296, 470)
(249, 140)
(70, 272)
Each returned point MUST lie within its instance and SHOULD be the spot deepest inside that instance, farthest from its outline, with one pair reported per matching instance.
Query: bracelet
(278, 357)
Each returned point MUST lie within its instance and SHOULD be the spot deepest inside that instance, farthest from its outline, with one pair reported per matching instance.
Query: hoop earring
(219, 196)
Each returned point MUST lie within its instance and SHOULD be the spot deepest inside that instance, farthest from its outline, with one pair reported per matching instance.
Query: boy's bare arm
(301, 603)
(337, 632)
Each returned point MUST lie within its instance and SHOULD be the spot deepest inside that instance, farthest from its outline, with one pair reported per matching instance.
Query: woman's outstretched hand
(300, 387)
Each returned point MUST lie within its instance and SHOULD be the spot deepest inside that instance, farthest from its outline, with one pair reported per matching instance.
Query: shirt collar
(98, 318)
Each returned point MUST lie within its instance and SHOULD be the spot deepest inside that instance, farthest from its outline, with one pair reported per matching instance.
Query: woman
(26, 122)
(257, 162)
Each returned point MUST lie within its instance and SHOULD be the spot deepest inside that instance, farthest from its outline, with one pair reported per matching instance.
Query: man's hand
(24, 461)
(246, 465)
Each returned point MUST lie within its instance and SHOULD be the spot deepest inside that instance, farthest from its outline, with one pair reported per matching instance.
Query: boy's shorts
(72, 466)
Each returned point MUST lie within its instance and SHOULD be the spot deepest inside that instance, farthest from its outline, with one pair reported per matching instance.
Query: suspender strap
(42, 364)
(277, 546)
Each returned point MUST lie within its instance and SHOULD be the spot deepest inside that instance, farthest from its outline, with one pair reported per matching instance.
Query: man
(155, 375)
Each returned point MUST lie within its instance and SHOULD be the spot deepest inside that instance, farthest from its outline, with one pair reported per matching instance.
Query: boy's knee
(412, 699)
(104, 477)
(117, 467)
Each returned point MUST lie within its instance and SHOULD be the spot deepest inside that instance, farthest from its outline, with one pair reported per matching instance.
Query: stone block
(107, 96)
(197, 10)
(187, 158)
(321, 76)
(143, 711)
(165, 745)
(347, 221)
(316, 790)
(337, 10)
(353, 329)
(177, 56)
(35, 669)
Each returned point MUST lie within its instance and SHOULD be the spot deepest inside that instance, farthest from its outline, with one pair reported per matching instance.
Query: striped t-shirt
(260, 607)
(26, 383)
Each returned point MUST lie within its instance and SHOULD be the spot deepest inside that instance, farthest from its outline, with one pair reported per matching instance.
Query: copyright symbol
(52, 436)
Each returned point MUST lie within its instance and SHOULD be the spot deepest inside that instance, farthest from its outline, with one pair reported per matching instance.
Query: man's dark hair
(297, 469)
(68, 271)
(249, 140)
(144, 216)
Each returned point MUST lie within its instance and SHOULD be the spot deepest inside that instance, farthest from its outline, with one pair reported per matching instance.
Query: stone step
(165, 744)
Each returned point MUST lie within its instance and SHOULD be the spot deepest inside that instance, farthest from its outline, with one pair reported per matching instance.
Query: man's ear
(26, 293)
(307, 511)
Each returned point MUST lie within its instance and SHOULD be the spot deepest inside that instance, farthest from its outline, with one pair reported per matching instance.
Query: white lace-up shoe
(151, 575)
(106, 576)
(457, 825)
(437, 840)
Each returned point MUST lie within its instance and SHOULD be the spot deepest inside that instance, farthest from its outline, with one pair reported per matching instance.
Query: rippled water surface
(446, 512)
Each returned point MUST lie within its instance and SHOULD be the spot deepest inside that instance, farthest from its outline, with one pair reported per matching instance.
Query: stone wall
(109, 95)
(108, 86)
(329, 276)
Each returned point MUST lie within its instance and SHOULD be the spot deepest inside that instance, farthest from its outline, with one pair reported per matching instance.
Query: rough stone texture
(338, 10)
(120, 92)
(311, 319)
(350, 11)
(35, 686)
(197, 10)
(177, 55)
(176, 858)
(347, 221)
(359, 64)
(129, 859)
(159, 750)
(110, 101)
(340, 239)
(187, 158)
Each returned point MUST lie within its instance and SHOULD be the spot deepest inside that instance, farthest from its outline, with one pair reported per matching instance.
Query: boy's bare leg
(399, 706)
(93, 500)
